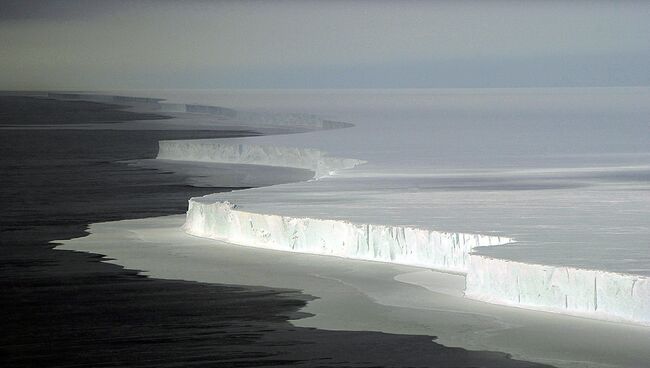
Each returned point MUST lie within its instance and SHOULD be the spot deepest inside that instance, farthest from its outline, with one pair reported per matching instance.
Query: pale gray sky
(91, 44)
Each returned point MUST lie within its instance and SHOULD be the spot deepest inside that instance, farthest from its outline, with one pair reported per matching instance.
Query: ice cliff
(210, 151)
(588, 293)
(392, 244)
(568, 290)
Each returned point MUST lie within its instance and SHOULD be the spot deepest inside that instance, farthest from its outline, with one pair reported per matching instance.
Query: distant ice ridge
(104, 98)
(290, 120)
(257, 118)
(392, 244)
(568, 290)
(210, 151)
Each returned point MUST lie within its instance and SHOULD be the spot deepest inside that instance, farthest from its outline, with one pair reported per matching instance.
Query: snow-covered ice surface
(563, 172)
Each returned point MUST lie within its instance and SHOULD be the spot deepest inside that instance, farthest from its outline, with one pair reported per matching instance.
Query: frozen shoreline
(370, 296)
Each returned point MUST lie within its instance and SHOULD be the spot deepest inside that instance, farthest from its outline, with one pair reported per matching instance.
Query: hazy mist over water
(70, 44)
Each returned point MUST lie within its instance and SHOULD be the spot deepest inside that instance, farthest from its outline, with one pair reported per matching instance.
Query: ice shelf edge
(411, 246)
(210, 151)
(611, 296)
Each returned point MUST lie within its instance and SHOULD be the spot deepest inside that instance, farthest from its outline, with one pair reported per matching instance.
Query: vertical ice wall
(210, 151)
(393, 244)
(567, 290)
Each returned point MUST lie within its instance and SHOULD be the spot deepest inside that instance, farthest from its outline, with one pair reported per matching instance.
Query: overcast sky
(90, 44)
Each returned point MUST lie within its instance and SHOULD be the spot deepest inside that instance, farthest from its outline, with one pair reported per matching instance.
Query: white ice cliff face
(567, 290)
(381, 243)
(590, 293)
(212, 151)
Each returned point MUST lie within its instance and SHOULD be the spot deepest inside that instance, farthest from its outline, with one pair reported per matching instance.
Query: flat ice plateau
(538, 196)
